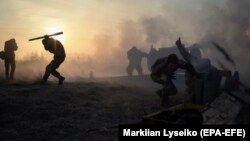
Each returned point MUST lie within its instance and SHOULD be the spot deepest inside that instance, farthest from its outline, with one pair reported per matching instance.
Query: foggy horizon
(100, 32)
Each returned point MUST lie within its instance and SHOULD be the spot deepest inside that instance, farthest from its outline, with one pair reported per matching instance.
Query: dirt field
(75, 111)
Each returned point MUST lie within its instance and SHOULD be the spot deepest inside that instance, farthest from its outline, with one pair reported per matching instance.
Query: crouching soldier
(163, 71)
(55, 47)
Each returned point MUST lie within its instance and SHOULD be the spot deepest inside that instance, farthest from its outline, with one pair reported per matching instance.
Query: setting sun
(52, 30)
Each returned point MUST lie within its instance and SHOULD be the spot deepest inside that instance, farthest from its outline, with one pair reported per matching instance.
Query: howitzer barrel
(41, 37)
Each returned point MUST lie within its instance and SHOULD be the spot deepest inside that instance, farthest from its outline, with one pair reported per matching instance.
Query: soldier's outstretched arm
(185, 54)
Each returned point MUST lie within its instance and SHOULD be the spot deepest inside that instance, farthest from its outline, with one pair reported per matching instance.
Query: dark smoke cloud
(157, 30)
(203, 22)
(195, 21)
(228, 27)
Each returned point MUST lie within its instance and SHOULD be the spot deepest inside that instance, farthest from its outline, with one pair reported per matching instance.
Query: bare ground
(74, 111)
(77, 111)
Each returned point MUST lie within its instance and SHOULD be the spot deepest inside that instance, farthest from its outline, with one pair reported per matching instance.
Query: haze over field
(97, 33)
(96, 36)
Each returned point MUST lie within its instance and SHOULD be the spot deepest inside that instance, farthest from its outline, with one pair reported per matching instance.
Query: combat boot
(61, 79)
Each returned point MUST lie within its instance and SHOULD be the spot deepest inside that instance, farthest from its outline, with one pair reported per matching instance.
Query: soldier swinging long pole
(41, 37)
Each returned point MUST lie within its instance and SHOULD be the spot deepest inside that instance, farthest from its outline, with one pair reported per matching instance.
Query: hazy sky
(80, 20)
(106, 29)
(84, 21)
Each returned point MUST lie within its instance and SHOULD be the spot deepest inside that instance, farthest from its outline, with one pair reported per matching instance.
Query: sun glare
(247, 32)
(53, 30)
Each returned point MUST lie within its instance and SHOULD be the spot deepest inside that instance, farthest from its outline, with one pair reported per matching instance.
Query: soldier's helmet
(46, 42)
(172, 58)
(13, 40)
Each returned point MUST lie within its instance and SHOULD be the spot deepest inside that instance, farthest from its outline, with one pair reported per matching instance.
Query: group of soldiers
(50, 44)
(201, 77)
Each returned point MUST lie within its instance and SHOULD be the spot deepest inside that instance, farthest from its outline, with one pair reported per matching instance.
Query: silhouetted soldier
(9, 58)
(55, 47)
(163, 71)
(91, 75)
(135, 58)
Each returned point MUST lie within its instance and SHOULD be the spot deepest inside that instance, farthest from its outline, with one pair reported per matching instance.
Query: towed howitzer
(41, 37)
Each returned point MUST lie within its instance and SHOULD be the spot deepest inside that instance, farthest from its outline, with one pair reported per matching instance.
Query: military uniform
(163, 73)
(55, 47)
(9, 58)
(135, 58)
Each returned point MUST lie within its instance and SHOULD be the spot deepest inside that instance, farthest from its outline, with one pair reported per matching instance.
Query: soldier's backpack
(10, 46)
(2, 55)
